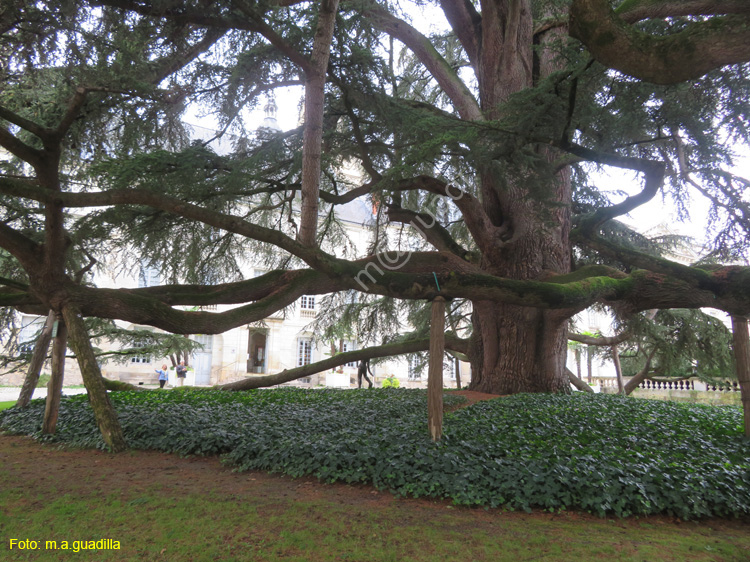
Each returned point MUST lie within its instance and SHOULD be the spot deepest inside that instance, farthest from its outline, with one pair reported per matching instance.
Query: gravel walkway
(8, 393)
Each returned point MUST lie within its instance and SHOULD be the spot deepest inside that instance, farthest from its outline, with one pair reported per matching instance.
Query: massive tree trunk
(514, 348)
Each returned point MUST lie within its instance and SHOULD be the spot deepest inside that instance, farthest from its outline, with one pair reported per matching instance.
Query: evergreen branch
(19, 148)
(139, 307)
(364, 153)
(53, 137)
(162, 68)
(446, 77)
(491, 239)
(25, 301)
(313, 256)
(736, 203)
(20, 247)
(11, 283)
(22, 122)
(202, 16)
(278, 41)
(84, 270)
(700, 277)
(653, 171)
(600, 341)
(435, 233)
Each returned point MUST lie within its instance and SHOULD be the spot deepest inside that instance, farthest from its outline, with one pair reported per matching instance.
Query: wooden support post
(741, 344)
(37, 361)
(54, 387)
(618, 370)
(80, 344)
(435, 373)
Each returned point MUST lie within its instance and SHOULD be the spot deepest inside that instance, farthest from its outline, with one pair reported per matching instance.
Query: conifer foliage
(478, 136)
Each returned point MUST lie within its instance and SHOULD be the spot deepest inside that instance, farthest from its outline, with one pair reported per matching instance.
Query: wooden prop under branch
(435, 372)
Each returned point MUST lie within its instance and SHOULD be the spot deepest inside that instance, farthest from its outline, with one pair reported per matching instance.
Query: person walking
(163, 376)
(181, 373)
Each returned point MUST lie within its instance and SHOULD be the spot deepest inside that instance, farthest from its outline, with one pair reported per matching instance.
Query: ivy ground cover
(600, 454)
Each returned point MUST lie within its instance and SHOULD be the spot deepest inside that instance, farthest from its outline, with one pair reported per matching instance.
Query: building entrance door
(202, 360)
(256, 351)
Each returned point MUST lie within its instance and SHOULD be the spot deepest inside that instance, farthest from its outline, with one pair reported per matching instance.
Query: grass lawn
(6, 405)
(163, 507)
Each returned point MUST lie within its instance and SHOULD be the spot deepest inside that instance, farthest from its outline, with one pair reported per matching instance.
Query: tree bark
(741, 343)
(458, 372)
(642, 375)
(435, 370)
(55, 385)
(106, 417)
(517, 349)
(314, 109)
(577, 382)
(618, 370)
(37, 362)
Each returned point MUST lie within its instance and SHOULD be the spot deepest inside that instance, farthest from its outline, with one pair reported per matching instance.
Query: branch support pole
(55, 385)
(106, 417)
(741, 344)
(435, 372)
(37, 362)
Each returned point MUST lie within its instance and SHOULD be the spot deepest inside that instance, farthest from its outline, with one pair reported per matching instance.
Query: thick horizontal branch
(636, 10)
(388, 350)
(17, 148)
(700, 47)
(25, 250)
(314, 257)
(139, 308)
(604, 341)
(238, 292)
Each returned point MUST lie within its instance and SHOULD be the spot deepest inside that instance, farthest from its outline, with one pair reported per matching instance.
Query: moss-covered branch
(688, 54)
